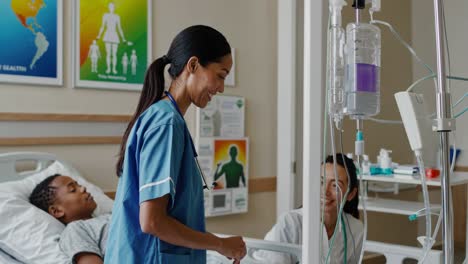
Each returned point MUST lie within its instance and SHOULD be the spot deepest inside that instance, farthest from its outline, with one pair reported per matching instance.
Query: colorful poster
(225, 164)
(31, 41)
(113, 43)
(230, 161)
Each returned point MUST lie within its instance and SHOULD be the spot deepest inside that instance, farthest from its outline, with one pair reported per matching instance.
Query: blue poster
(31, 41)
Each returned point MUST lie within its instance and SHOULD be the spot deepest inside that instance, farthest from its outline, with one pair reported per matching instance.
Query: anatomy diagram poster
(31, 41)
(113, 43)
(224, 162)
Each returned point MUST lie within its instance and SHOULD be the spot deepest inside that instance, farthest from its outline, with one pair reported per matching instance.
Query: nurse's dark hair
(43, 194)
(350, 207)
(203, 42)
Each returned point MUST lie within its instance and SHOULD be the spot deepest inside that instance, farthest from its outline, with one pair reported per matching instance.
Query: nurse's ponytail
(203, 42)
(153, 89)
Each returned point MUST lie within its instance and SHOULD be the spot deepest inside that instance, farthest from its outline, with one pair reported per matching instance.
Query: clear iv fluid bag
(336, 72)
(362, 70)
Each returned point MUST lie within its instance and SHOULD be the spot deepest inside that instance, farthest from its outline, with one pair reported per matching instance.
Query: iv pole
(443, 125)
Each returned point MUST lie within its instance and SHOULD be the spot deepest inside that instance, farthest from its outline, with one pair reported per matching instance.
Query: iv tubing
(324, 147)
(383, 121)
(342, 203)
(417, 82)
(427, 241)
(338, 190)
(410, 49)
(460, 100)
(461, 113)
(364, 211)
(423, 212)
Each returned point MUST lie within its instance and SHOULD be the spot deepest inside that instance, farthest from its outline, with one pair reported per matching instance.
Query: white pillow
(30, 234)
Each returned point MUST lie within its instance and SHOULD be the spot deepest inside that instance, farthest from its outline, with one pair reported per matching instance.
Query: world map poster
(112, 43)
(31, 41)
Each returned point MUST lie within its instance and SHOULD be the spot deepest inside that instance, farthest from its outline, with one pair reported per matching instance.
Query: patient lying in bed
(84, 238)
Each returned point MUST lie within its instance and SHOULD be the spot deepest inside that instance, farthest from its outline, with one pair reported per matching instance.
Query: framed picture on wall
(112, 43)
(31, 42)
(223, 116)
(225, 164)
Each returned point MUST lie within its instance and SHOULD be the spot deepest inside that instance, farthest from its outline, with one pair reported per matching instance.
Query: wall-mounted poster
(223, 154)
(112, 43)
(31, 41)
(223, 116)
(224, 162)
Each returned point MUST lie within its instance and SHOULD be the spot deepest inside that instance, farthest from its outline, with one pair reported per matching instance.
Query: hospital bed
(28, 234)
(37, 163)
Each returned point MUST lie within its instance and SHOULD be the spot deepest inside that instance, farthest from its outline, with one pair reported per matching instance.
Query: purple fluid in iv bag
(367, 77)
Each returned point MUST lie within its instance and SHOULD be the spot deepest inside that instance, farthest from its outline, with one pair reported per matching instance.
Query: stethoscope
(195, 154)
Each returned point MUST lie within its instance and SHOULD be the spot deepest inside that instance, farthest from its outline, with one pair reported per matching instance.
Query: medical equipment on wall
(224, 152)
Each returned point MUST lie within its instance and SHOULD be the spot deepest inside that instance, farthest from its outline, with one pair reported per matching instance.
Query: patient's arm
(88, 258)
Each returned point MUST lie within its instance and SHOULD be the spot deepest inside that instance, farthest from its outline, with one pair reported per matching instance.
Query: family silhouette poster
(113, 43)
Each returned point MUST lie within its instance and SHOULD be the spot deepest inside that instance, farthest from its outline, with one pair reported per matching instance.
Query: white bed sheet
(7, 259)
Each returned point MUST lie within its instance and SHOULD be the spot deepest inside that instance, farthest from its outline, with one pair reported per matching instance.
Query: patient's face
(330, 198)
(72, 201)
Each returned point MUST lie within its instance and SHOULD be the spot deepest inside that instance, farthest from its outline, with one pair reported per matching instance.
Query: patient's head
(63, 198)
(345, 166)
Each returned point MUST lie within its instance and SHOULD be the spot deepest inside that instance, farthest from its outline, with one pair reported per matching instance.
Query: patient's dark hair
(43, 195)
(350, 207)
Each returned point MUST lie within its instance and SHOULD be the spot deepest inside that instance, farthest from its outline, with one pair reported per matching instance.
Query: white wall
(250, 27)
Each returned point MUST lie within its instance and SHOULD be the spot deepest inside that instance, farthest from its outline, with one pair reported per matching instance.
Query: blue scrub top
(159, 160)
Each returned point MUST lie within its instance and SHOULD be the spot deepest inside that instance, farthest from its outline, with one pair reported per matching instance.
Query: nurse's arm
(154, 220)
(87, 258)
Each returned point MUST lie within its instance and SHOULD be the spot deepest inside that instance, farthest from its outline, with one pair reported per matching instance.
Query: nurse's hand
(233, 247)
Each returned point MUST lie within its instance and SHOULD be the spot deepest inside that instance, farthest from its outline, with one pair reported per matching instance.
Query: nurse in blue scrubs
(158, 216)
